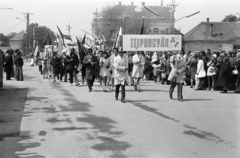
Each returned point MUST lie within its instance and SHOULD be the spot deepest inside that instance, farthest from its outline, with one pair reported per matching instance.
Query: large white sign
(152, 42)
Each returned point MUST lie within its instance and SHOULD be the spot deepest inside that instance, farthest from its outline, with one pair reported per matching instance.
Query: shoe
(191, 86)
(123, 101)
(116, 98)
(90, 90)
(54, 81)
(139, 90)
(135, 87)
(223, 92)
(180, 100)
(212, 90)
(105, 91)
(77, 84)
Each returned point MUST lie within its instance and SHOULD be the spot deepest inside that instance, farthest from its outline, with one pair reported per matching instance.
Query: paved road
(41, 119)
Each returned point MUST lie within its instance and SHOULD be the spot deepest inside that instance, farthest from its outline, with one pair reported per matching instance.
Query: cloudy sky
(80, 12)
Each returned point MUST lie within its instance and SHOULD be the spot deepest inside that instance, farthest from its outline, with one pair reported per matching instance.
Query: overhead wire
(14, 27)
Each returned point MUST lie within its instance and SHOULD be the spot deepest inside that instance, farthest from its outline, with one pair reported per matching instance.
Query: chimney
(161, 3)
(132, 3)
(143, 3)
(211, 29)
(207, 19)
(120, 3)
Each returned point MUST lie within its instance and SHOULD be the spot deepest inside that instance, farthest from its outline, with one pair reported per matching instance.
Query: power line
(13, 27)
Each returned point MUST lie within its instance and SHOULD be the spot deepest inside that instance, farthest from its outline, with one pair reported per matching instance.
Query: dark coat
(75, 61)
(90, 69)
(8, 63)
(193, 68)
(224, 73)
(18, 61)
(55, 62)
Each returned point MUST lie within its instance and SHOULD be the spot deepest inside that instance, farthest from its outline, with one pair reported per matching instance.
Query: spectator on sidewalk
(224, 73)
(8, 64)
(200, 74)
(211, 72)
(193, 69)
(236, 65)
(18, 61)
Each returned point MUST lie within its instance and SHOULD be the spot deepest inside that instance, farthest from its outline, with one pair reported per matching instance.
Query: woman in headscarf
(211, 72)
(224, 73)
(138, 66)
(178, 64)
(104, 64)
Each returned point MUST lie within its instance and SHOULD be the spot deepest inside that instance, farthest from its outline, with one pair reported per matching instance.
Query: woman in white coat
(138, 67)
(104, 64)
(200, 74)
(120, 75)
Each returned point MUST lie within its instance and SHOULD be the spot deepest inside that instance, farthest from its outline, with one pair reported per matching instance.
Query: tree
(40, 32)
(4, 40)
(11, 35)
(231, 18)
(114, 16)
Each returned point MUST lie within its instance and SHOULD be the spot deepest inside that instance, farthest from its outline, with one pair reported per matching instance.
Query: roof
(162, 11)
(202, 32)
(18, 37)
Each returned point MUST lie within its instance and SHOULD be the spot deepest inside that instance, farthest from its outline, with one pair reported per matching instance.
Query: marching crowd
(205, 70)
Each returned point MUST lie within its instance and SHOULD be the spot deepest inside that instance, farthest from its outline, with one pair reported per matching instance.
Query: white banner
(152, 42)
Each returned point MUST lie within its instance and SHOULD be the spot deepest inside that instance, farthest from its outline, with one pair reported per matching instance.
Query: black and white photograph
(119, 79)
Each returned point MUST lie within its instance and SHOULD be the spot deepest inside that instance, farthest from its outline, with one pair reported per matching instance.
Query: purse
(163, 75)
(235, 72)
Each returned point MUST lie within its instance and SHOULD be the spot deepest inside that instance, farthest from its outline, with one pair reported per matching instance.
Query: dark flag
(47, 41)
(142, 29)
(63, 41)
(84, 39)
(81, 49)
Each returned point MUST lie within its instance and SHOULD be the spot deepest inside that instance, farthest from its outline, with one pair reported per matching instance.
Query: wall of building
(15, 44)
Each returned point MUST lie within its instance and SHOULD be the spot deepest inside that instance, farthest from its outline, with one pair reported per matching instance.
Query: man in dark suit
(8, 64)
(90, 61)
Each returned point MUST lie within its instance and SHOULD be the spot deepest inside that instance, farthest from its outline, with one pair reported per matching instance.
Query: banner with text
(152, 42)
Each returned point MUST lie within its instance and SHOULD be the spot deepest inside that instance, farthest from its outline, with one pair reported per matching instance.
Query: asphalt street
(42, 119)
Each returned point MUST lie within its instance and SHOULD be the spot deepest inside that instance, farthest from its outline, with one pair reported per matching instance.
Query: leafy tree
(4, 40)
(40, 32)
(231, 18)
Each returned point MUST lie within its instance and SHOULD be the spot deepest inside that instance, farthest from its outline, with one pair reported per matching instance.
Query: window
(155, 30)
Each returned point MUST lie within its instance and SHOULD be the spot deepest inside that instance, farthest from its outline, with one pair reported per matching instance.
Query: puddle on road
(42, 133)
(55, 120)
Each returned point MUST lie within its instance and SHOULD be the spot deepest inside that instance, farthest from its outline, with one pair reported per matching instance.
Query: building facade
(16, 41)
(217, 36)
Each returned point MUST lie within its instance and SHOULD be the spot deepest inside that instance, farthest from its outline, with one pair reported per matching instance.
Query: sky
(79, 13)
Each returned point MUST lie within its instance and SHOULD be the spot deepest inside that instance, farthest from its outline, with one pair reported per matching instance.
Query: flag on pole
(84, 39)
(64, 42)
(60, 48)
(66, 39)
(36, 51)
(47, 40)
(118, 43)
(150, 10)
(142, 29)
(81, 49)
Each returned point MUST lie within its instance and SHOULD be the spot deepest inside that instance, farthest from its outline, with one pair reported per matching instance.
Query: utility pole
(69, 28)
(28, 32)
(172, 8)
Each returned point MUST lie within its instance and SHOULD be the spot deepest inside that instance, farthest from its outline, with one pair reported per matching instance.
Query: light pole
(34, 36)
(188, 16)
(26, 46)
(5, 8)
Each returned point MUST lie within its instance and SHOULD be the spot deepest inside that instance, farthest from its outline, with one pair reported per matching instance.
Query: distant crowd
(205, 70)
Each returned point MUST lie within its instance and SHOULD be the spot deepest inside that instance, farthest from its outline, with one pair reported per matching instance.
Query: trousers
(122, 91)
(179, 90)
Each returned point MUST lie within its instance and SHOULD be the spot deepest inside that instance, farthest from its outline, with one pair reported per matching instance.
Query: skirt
(19, 74)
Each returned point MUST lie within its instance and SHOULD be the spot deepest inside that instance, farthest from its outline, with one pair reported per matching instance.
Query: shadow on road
(12, 104)
(197, 99)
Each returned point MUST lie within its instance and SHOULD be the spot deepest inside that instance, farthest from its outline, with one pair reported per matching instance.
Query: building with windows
(16, 41)
(217, 36)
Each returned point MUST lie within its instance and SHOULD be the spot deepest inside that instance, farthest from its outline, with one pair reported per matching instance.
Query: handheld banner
(152, 42)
